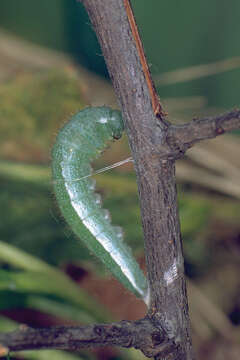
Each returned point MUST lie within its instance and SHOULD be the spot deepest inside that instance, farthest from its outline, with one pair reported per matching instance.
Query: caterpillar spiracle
(79, 142)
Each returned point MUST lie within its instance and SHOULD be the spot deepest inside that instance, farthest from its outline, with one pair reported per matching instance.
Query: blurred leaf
(198, 71)
(194, 213)
(33, 174)
(18, 258)
(32, 282)
(41, 277)
(59, 309)
(48, 354)
(7, 324)
(8, 301)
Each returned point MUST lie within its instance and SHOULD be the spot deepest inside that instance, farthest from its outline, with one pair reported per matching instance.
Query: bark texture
(141, 334)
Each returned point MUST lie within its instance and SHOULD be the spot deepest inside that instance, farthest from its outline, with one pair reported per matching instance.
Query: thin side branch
(182, 137)
(139, 334)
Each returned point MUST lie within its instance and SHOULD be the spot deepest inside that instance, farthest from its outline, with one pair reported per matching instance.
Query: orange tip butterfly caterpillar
(78, 143)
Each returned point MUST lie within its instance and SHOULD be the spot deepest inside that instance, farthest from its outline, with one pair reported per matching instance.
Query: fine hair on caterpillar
(78, 143)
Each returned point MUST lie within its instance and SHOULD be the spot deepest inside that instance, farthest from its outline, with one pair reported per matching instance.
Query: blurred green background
(47, 276)
(175, 35)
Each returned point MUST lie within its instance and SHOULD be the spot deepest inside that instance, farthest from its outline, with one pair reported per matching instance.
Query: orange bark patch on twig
(157, 108)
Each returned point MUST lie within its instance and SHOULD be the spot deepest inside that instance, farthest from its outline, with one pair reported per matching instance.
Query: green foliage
(41, 278)
(32, 107)
(195, 214)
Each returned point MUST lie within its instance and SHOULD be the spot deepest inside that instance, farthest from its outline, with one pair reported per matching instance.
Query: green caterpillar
(79, 142)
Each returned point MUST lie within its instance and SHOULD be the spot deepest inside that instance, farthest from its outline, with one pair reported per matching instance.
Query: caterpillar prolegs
(79, 142)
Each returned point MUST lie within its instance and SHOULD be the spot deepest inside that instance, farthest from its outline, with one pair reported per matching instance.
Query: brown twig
(140, 334)
(182, 137)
